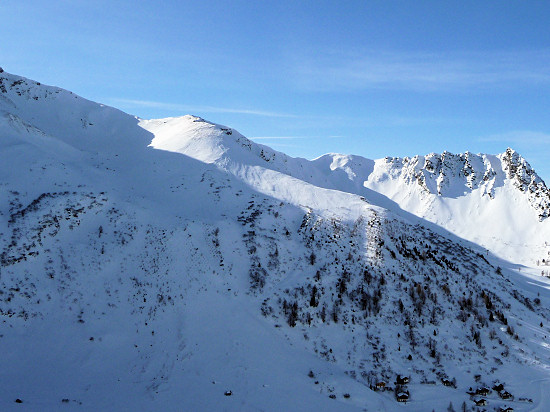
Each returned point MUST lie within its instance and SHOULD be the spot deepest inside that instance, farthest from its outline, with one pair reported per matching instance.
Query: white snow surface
(158, 264)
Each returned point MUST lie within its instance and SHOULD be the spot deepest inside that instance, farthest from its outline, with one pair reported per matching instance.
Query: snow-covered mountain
(173, 264)
(497, 201)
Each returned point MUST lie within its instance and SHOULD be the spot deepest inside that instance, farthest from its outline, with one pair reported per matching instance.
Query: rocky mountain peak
(453, 175)
(524, 177)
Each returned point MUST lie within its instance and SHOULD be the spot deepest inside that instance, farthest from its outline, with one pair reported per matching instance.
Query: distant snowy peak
(206, 141)
(355, 167)
(524, 177)
(22, 87)
(16, 91)
(230, 150)
(41, 110)
(454, 175)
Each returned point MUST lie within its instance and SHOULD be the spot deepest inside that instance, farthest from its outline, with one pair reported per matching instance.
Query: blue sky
(373, 78)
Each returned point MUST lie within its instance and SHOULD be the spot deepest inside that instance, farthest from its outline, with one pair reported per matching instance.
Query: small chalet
(402, 380)
(508, 409)
(483, 391)
(402, 396)
(446, 382)
(481, 402)
(380, 385)
(498, 387)
(505, 395)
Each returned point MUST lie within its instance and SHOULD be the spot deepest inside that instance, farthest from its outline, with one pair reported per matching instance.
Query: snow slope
(133, 278)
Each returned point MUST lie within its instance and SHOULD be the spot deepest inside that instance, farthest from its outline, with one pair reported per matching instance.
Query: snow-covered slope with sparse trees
(173, 264)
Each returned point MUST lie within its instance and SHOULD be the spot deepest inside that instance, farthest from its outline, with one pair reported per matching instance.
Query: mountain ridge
(440, 188)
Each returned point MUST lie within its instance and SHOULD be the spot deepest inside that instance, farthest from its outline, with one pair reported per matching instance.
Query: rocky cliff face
(442, 174)
(526, 180)
(453, 175)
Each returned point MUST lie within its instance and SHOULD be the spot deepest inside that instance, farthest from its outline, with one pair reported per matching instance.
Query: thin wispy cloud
(278, 137)
(519, 137)
(173, 107)
(337, 71)
(285, 146)
(295, 137)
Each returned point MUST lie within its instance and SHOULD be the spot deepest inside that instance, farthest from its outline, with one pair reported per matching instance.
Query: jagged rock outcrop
(526, 180)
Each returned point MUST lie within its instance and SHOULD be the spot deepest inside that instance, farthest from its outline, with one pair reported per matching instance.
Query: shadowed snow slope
(229, 276)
